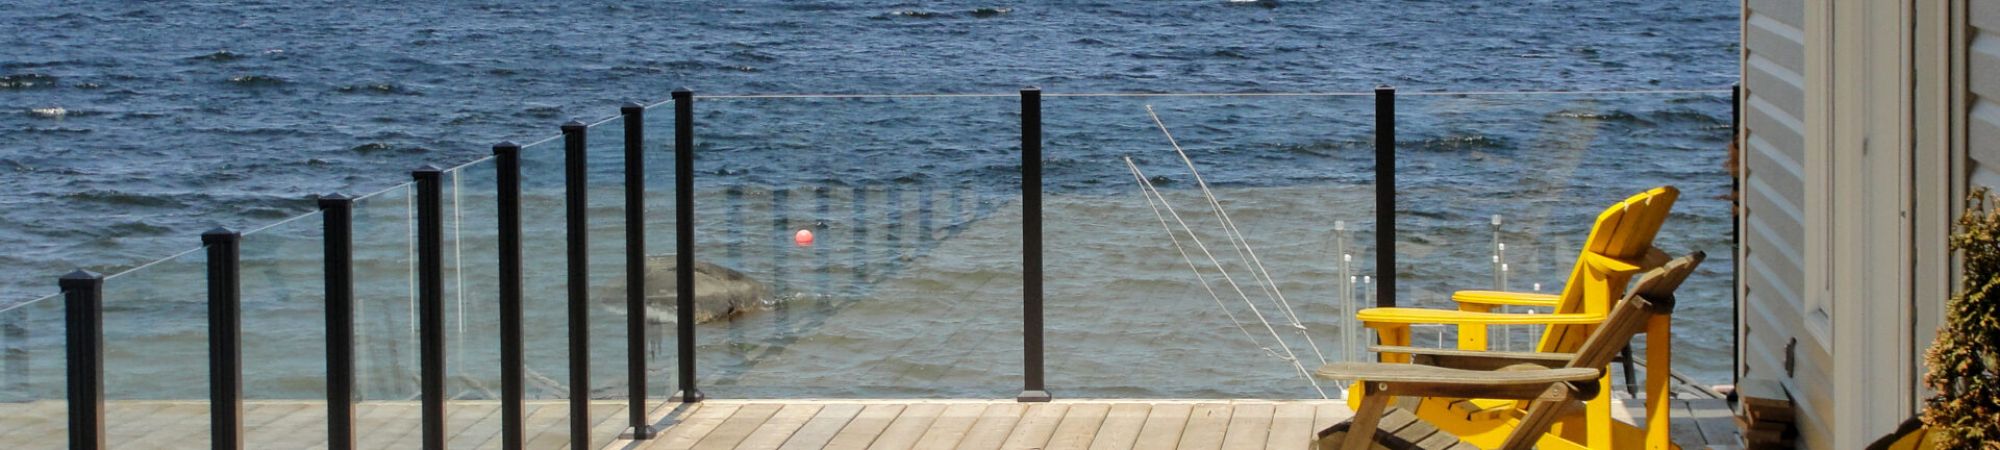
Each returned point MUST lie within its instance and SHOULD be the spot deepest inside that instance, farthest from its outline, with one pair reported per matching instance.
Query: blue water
(128, 128)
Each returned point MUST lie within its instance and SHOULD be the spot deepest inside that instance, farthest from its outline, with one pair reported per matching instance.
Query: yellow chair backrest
(1624, 231)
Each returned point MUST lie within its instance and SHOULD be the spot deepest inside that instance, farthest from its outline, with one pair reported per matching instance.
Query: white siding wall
(1983, 82)
(1774, 195)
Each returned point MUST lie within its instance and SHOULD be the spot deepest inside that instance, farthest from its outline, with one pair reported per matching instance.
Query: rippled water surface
(127, 129)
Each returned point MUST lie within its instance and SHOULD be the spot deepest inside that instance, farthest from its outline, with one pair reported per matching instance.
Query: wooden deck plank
(611, 421)
(703, 417)
(1206, 426)
(903, 433)
(299, 426)
(1681, 427)
(456, 419)
(1035, 427)
(1121, 428)
(1291, 427)
(116, 428)
(1164, 423)
(182, 423)
(865, 427)
(485, 428)
(951, 426)
(1713, 418)
(738, 426)
(993, 427)
(816, 433)
(1078, 426)
(1249, 426)
(780, 427)
(385, 422)
(33, 417)
(1327, 414)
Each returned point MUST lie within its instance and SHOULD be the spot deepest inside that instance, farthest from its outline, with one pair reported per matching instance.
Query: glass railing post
(507, 176)
(635, 267)
(576, 209)
(225, 331)
(1385, 196)
(83, 323)
(338, 212)
(430, 301)
(1031, 244)
(684, 241)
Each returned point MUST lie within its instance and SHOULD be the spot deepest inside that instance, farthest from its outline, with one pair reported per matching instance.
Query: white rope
(1146, 188)
(1242, 245)
(1289, 355)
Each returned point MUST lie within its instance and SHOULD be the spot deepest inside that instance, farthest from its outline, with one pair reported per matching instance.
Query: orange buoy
(803, 238)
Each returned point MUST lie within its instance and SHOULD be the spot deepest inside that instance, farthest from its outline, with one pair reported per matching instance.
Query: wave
(377, 88)
(27, 81)
(258, 81)
(217, 56)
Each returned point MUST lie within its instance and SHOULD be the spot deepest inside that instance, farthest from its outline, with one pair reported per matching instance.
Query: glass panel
(472, 299)
(284, 330)
(910, 285)
(545, 298)
(1293, 176)
(156, 352)
(662, 360)
(33, 362)
(1546, 166)
(606, 254)
(385, 334)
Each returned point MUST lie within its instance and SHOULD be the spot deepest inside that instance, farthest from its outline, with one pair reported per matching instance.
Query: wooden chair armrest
(1476, 360)
(1505, 298)
(1432, 381)
(1375, 317)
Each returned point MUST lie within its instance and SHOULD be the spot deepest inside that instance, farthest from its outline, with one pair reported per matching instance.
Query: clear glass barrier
(545, 281)
(33, 361)
(283, 288)
(909, 285)
(385, 317)
(1127, 314)
(156, 352)
(1545, 166)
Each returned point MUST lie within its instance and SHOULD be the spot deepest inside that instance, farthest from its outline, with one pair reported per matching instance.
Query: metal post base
(689, 397)
(1033, 397)
(640, 433)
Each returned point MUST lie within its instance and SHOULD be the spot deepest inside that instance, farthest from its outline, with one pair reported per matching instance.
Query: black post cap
(219, 235)
(573, 126)
(506, 147)
(1031, 89)
(335, 200)
(630, 108)
(79, 278)
(1384, 87)
(683, 92)
(427, 171)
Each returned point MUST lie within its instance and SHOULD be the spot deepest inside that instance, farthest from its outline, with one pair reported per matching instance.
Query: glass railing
(863, 247)
(871, 246)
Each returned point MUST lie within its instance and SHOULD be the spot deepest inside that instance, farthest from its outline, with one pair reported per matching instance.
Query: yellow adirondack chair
(1550, 384)
(1619, 246)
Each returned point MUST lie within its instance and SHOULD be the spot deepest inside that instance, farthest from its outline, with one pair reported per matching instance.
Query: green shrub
(1964, 371)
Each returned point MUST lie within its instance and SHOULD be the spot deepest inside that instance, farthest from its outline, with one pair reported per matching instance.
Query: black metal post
(635, 268)
(1736, 234)
(338, 212)
(83, 323)
(576, 209)
(1385, 196)
(507, 176)
(430, 301)
(1031, 246)
(684, 241)
(225, 338)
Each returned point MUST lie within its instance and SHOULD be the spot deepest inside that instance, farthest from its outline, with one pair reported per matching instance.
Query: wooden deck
(778, 424)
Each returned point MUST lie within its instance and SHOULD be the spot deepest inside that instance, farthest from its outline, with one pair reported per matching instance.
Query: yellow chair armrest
(1606, 264)
(1505, 298)
(1376, 317)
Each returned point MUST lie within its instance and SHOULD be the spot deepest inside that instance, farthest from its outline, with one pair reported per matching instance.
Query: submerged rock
(720, 293)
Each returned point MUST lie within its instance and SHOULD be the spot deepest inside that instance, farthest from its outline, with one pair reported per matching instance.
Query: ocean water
(127, 129)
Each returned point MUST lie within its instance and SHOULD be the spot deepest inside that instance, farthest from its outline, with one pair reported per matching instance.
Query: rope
(1242, 245)
(1198, 94)
(1289, 355)
(1147, 189)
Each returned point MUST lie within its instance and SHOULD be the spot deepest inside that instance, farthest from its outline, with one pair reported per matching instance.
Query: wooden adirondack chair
(1551, 383)
(1619, 246)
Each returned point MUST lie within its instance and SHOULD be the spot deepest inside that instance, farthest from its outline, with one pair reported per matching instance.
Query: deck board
(774, 432)
(993, 427)
(787, 424)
